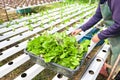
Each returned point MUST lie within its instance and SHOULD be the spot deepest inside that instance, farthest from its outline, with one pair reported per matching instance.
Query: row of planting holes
(98, 60)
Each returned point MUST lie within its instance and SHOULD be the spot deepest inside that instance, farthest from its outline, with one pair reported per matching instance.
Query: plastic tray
(23, 11)
(53, 66)
(90, 35)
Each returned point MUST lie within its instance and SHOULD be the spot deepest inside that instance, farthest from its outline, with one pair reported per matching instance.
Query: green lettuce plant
(59, 48)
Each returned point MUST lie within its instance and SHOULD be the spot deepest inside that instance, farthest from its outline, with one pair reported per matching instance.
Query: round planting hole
(20, 34)
(8, 39)
(98, 60)
(29, 39)
(10, 63)
(1, 34)
(88, 45)
(23, 75)
(84, 18)
(30, 30)
(16, 45)
(91, 72)
(104, 50)
(59, 75)
(79, 34)
(1, 53)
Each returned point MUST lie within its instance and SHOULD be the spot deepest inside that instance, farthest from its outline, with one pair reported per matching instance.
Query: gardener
(109, 10)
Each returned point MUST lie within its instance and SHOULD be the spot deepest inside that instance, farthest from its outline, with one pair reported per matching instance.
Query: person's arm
(92, 21)
(113, 30)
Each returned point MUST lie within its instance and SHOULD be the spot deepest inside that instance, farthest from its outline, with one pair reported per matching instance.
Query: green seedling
(8, 24)
(30, 27)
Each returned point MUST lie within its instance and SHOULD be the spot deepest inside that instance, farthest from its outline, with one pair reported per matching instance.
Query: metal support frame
(114, 67)
(5, 10)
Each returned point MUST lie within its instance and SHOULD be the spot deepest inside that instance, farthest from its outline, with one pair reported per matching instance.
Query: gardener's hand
(75, 32)
(95, 38)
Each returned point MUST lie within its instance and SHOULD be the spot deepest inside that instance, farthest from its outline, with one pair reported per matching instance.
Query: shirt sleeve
(113, 30)
(92, 21)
